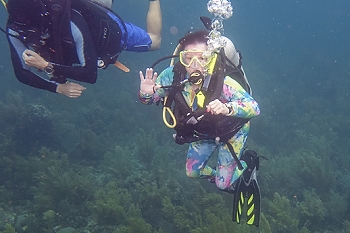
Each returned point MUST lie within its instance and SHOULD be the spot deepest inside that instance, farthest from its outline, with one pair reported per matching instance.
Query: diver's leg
(197, 157)
(105, 3)
(154, 23)
(227, 171)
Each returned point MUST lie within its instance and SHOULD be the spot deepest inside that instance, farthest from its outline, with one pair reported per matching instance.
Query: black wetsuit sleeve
(86, 70)
(22, 71)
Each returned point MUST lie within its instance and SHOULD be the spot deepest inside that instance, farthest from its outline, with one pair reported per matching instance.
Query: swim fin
(246, 192)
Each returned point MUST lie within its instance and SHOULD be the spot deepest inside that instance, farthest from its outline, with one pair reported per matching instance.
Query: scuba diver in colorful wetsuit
(72, 39)
(210, 107)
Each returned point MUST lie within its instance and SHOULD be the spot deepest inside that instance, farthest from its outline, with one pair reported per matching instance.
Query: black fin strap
(162, 59)
(240, 167)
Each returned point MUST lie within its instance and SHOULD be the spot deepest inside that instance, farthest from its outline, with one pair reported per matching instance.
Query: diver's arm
(150, 85)
(216, 107)
(86, 70)
(69, 89)
(154, 24)
(139, 39)
(106, 3)
(22, 71)
(239, 102)
(148, 82)
(33, 59)
(147, 86)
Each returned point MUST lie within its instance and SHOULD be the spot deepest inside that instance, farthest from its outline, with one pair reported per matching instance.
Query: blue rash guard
(137, 39)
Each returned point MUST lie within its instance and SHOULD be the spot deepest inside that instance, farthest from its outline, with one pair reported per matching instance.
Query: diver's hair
(200, 36)
(25, 12)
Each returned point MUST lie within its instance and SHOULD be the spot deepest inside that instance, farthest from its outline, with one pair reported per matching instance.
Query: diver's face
(194, 65)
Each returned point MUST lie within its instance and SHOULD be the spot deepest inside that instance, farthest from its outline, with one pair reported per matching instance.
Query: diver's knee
(192, 174)
(222, 186)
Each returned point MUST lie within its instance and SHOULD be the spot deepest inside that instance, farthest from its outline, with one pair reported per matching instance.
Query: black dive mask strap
(162, 59)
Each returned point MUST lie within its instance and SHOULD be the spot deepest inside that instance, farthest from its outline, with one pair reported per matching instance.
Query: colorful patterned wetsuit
(199, 152)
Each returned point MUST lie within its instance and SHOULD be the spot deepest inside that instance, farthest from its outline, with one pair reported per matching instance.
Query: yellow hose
(165, 110)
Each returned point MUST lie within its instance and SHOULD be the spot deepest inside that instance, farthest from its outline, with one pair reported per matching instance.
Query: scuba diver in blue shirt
(72, 39)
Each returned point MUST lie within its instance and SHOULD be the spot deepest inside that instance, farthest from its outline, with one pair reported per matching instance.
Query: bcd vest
(104, 30)
(199, 125)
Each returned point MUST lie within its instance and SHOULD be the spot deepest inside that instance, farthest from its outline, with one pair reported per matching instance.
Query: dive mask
(195, 58)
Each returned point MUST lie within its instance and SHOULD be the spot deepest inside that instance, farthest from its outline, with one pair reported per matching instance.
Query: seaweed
(33, 130)
(103, 163)
(110, 205)
(281, 216)
(9, 229)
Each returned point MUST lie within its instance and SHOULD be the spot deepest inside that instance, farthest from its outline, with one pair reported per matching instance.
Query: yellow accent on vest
(200, 99)
(232, 83)
(211, 65)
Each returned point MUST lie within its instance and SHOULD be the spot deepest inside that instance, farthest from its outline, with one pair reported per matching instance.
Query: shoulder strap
(179, 75)
(104, 29)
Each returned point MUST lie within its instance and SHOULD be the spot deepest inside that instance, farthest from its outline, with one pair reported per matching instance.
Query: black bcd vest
(199, 125)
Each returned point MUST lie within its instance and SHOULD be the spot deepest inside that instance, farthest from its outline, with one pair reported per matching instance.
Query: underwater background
(104, 162)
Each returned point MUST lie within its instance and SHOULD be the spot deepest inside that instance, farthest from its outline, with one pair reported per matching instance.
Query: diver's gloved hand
(216, 107)
(33, 59)
(71, 90)
(148, 82)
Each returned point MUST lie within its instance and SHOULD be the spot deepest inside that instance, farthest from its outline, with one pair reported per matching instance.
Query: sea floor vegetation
(111, 166)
